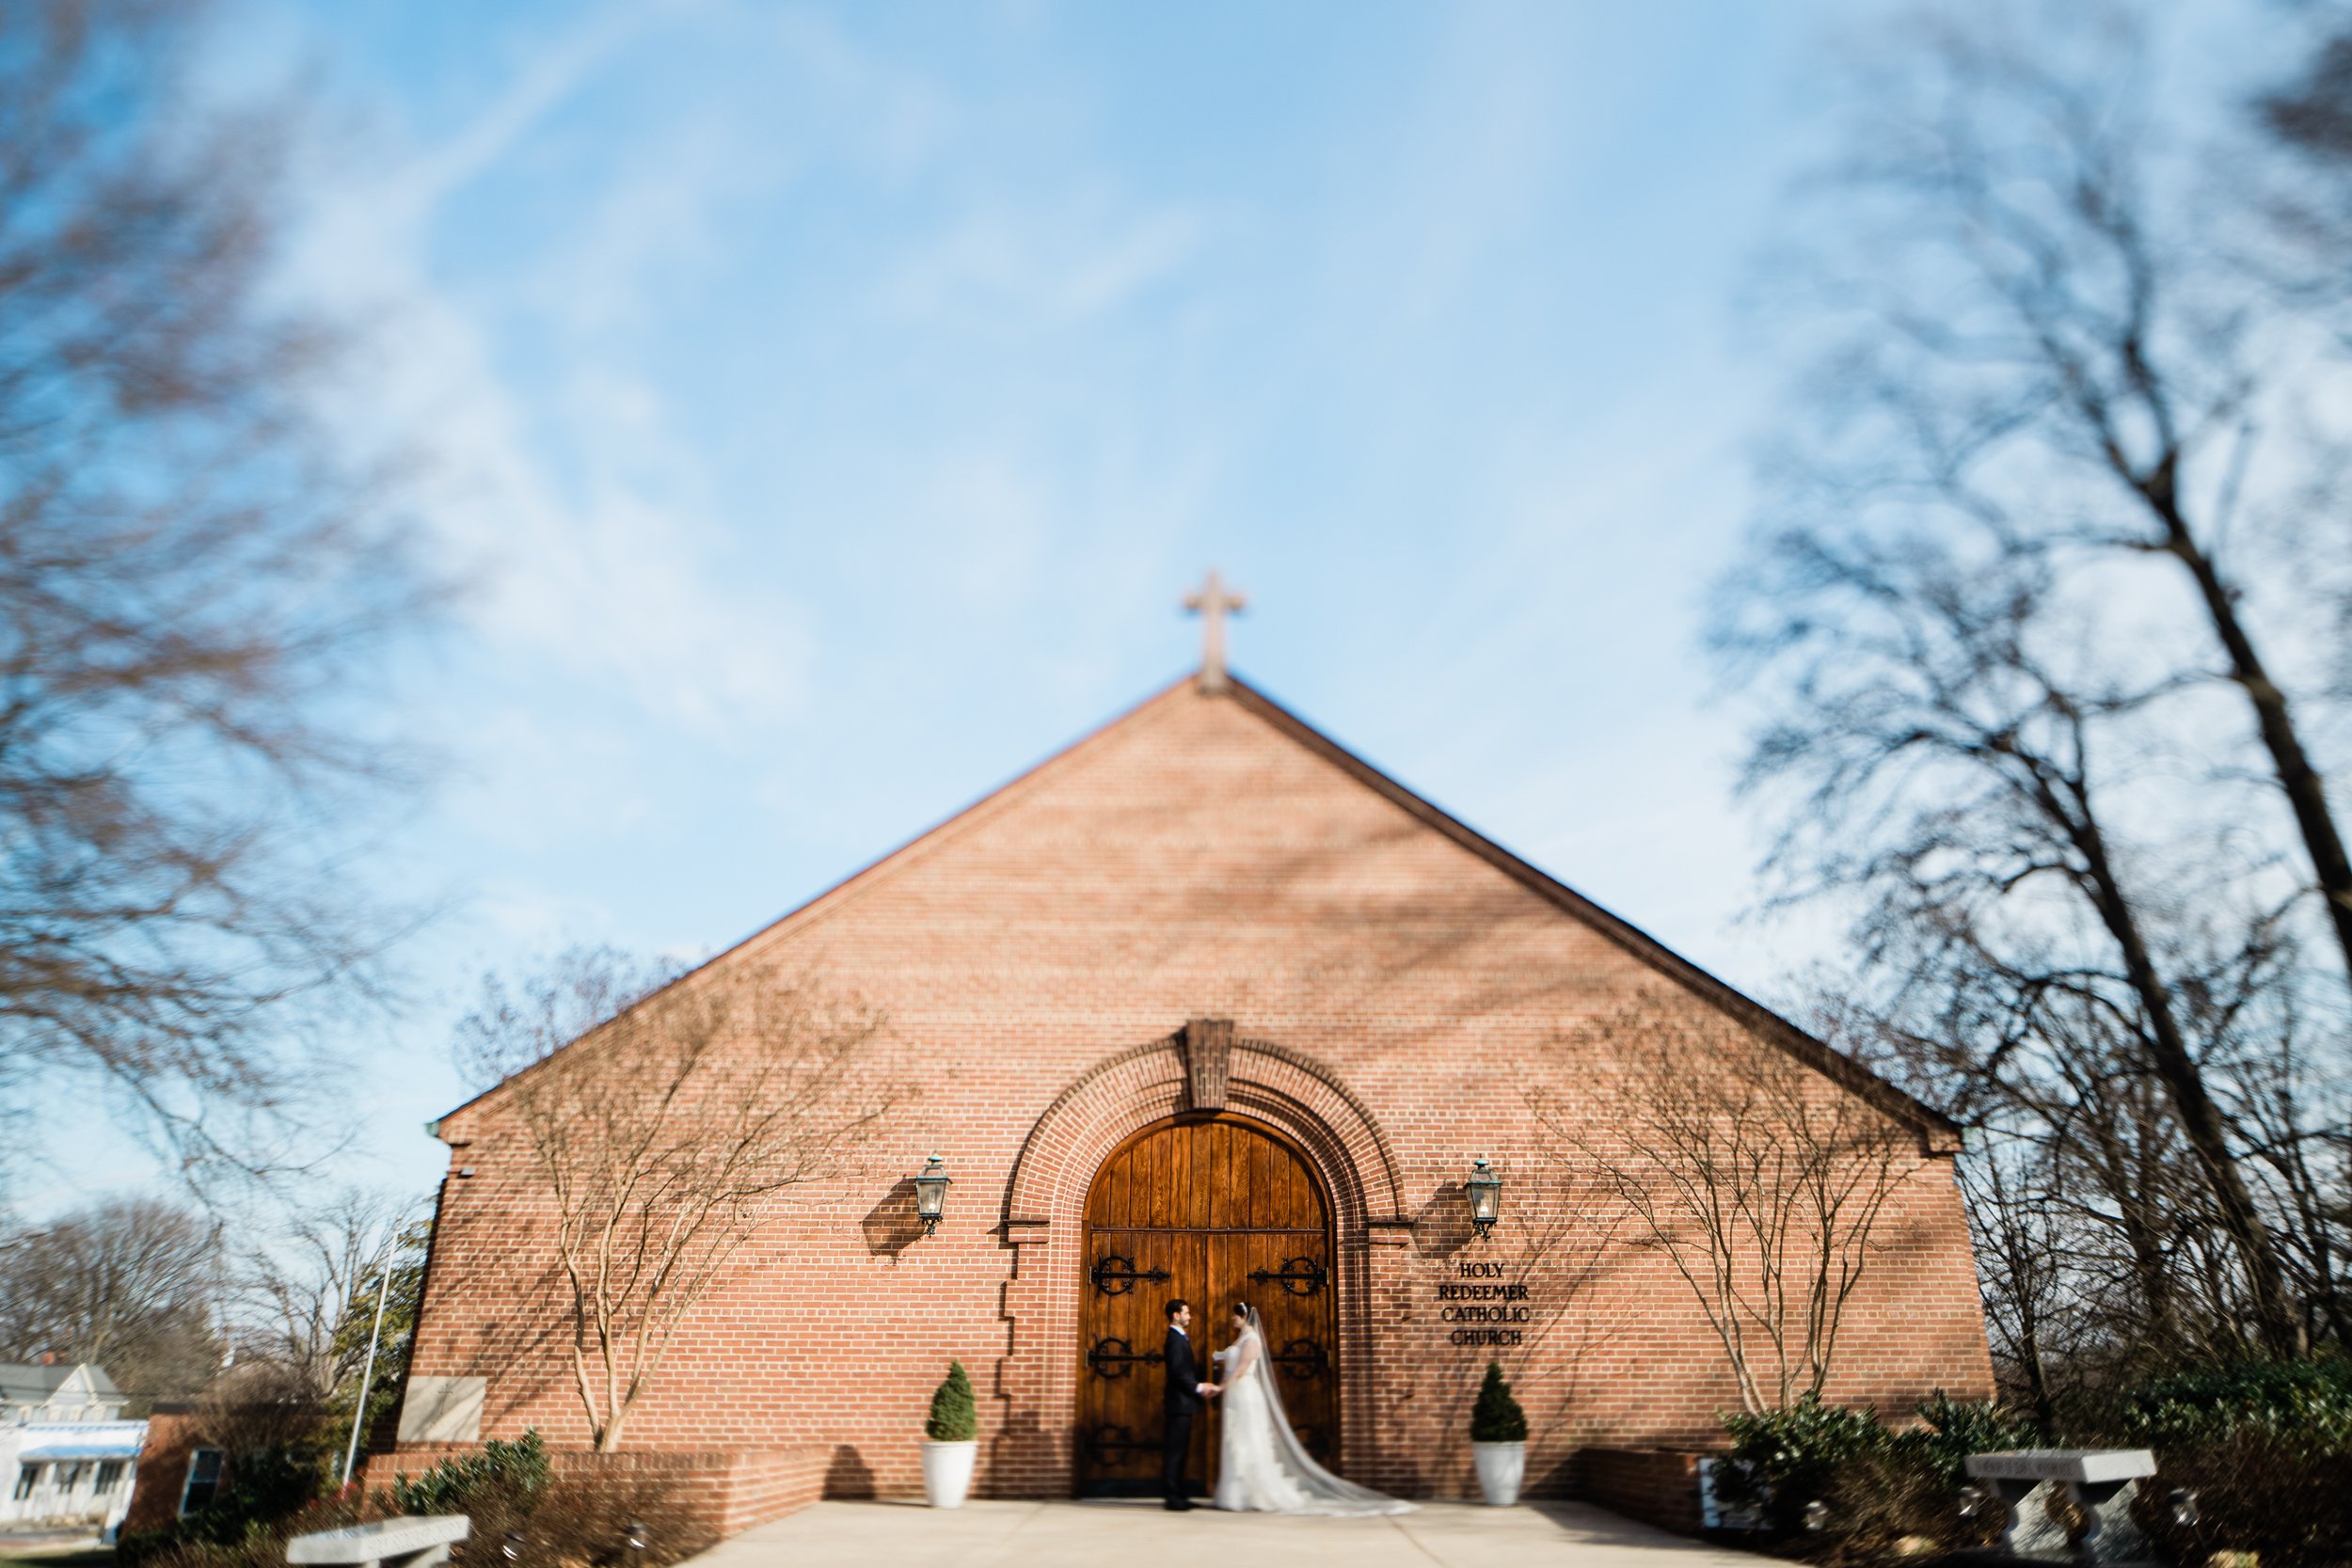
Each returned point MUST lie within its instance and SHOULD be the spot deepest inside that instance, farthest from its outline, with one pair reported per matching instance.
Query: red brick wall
(1660, 1485)
(723, 1490)
(163, 1469)
(1396, 993)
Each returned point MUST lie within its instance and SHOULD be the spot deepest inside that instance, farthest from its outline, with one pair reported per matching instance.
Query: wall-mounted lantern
(1486, 1195)
(930, 1193)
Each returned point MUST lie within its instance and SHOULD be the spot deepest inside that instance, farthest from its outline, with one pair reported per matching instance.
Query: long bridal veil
(1325, 1492)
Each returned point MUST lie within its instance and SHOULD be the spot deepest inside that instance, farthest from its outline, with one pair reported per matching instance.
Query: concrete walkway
(1143, 1535)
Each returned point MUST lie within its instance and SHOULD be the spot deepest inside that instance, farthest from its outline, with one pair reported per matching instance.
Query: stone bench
(412, 1541)
(2101, 1482)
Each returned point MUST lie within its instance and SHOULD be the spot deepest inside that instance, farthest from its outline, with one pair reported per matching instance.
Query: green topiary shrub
(1496, 1417)
(954, 1418)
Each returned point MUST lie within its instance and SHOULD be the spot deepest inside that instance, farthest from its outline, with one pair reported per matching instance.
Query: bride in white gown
(1262, 1466)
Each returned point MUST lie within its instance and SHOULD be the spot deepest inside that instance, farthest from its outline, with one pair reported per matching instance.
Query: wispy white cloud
(574, 505)
(553, 70)
(1021, 264)
(834, 407)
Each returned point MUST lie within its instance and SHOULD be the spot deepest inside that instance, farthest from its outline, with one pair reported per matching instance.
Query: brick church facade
(1205, 1004)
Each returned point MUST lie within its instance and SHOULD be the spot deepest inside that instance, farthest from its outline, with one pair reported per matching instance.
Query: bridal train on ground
(1262, 1466)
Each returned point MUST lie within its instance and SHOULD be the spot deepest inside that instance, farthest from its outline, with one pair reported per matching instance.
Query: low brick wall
(1658, 1487)
(728, 1490)
(770, 1483)
(161, 1474)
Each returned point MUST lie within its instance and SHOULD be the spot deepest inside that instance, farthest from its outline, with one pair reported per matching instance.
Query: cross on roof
(1213, 603)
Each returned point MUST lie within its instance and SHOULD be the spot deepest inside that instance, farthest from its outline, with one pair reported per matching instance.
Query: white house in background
(70, 1472)
(66, 1456)
(30, 1391)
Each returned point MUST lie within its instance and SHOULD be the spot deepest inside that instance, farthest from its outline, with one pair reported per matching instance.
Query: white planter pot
(947, 1471)
(1500, 1468)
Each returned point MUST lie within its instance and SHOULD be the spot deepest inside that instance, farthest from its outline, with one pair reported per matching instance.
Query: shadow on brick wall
(1562, 1477)
(1442, 1227)
(849, 1474)
(892, 1227)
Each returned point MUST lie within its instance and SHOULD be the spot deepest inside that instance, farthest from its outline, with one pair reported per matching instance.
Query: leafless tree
(309, 1293)
(667, 1135)
(2034, 333)
(132, 1286)
(1544, 1316)
(2006, 624)
(2309, 202)
(1958, 777)
(197, 589)
(1763, 1183)
(259, 1406)
(2018, 1244)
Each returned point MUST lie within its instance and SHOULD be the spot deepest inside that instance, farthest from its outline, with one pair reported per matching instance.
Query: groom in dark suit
(1187, 1397)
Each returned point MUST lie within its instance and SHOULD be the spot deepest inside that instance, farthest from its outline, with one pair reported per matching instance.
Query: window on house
(70, 1476)
(109, 1476)
(203, 1483)
(28, 1476)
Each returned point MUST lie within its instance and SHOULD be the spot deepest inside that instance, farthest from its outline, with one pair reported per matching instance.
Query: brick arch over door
(1203, 1067)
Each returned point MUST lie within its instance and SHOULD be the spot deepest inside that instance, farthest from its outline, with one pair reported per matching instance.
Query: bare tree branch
(667, 1135)
(132, 1286)
(2014, 687)
(196, 589)
(1761, 1183)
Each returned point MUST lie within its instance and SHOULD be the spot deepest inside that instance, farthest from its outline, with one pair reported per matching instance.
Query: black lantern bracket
(930, 1193)
(1485, 1191)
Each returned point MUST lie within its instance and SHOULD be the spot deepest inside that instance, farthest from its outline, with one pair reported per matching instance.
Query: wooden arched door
(1213, 1209)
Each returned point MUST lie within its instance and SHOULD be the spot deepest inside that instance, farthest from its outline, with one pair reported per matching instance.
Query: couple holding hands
(1262, 1466)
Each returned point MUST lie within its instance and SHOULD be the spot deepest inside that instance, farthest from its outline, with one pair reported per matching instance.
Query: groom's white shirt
(1187, 1339)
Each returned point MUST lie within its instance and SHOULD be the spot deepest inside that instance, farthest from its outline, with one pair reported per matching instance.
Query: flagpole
(367, 1376)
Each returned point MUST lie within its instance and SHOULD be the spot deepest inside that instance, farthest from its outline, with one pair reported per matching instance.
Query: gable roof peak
(1939, 1132)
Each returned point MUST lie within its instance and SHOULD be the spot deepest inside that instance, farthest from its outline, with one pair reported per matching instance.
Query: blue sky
(832, 402)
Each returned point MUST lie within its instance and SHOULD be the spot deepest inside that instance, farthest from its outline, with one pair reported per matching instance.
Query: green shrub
(568, 1522)
(1877, 1500)
(509, 1474)
(1954, 1429)
(249, 1520)
(1878, 1486)
(136, 1546)
(232, 1532)
(581, 1519)
(2257, 1491)
(2305, 1405)
(954, 1417)
(1496, 1417)
(497, 1487)
(2266, 1446)
(1784, 1459)
(505, 1488)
